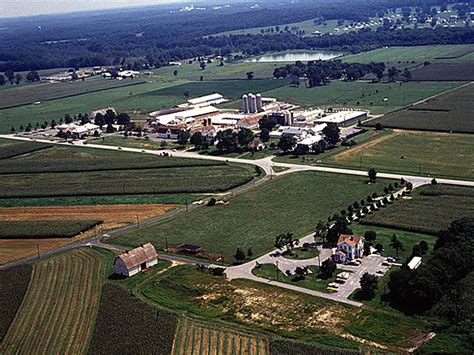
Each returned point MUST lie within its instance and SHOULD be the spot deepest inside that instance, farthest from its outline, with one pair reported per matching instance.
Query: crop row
(283, 347)
(44, 229)
(13, 285)
(195, 337)
(125, 325)
(59, 307)
(128, 182)
(10, 150)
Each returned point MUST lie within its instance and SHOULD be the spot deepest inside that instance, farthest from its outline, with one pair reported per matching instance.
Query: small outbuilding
(133, 261)
(189, 249)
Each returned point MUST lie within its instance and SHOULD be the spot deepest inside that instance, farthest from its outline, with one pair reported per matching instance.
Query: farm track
(194, 337)
(59, 308)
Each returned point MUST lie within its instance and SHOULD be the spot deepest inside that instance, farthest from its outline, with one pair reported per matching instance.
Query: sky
(14, 8)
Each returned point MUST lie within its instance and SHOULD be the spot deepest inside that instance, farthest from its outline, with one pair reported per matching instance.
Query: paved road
(244, 271)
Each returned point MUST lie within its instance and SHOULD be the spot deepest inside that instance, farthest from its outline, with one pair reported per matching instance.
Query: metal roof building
(133, 261)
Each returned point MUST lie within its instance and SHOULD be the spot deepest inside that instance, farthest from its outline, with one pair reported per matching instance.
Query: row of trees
(17, 78)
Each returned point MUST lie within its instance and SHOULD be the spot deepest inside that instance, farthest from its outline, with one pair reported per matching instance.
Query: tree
(196, 140)
(434, 182)
(186, 93)
(249, 75)
(245, 136)
(368, 285)
(239, 255)
(339, 227)
(175, 73)
(370, 236)
(406, 74)
(321, 231)
(396, 244)
(332, 133)
(227, 140)
(379, 247)
(2, 80)
(10, 74)
(18, 78)
(12, 130)
(424, 247)
(265, 135)
(67, 118)
(393, 73)
(372, 174)
(286, 240)
(123, 119)
(328, 267)
(249, 253)
(287, 142)
(99, 120)
(202, 65)
(183, 137)
(301, 272)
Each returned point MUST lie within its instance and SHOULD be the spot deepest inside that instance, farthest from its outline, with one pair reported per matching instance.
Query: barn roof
(137, 256)
(349, 239)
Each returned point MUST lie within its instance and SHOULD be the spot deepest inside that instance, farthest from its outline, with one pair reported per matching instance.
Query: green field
(44, 229)
(433, 154)
(406, 55)
(10, 148)
(428, 209)
(450, 112)
(292, 203)
(364, 95)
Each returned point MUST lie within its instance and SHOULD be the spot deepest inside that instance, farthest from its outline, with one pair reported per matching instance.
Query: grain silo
(245, 104)
(252, 103)
(259, 103)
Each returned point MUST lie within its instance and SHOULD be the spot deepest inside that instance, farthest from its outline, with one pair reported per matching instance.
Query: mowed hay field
(412, 152)
(292, 203)
(194, 337)
(113, 216)
(451, 112)
(58, 311)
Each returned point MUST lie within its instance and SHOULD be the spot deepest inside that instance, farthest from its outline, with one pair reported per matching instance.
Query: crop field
(301, 198)
(282, 347)
(406, 55)
(26, 95)
(230, 88)
(100, 173)
(193, 337)
(126, 325)
(461, 71)
(113, 216)
(434, 154)
(10, 149)
(13, 285)
(365, 95)
(59, 308)
(44, 229)
(451, 112)
(428, 210)
(296, 315)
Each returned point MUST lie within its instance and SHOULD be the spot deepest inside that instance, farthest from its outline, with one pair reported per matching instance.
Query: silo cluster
(288, 118)
(252, 103)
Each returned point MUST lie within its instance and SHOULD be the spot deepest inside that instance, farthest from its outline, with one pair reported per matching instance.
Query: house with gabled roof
(349, 247)
(133, 261)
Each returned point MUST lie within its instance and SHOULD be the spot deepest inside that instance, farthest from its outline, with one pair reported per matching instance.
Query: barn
(133, 261)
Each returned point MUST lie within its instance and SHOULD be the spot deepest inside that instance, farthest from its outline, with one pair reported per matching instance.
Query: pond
(294, 56)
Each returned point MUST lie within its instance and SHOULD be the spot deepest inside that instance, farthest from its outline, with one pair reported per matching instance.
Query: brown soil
(114, 216)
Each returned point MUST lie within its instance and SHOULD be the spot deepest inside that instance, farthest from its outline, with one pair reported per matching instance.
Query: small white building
(133, 261)
(414, 263)
(349, 247)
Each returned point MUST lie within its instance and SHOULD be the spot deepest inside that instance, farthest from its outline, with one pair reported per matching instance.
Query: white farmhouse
(133, 261)
(349, 247)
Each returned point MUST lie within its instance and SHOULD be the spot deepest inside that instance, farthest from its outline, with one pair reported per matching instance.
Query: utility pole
(138, 223)
(38, 250)
(186, 203)
(166, 243)
(277, 271)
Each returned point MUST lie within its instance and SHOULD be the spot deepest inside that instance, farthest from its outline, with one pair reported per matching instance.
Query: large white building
(133, 261)
(349, 247)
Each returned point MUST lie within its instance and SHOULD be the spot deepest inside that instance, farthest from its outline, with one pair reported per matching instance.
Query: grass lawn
(290, 314)
(363, 95)
(384, 235)
(430, 209)
(302, 253)
(130, 142)
(292, 203)
(311, 281)
(426, 153)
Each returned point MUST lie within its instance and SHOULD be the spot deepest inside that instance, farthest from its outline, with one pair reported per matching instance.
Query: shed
(414, 262)
(133, 261)
(189, 248)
